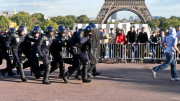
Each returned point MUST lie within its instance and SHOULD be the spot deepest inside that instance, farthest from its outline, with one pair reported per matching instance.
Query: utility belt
(75, 49)
(44, 48)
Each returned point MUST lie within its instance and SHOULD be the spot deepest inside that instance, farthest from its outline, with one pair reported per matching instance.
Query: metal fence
(126, 53)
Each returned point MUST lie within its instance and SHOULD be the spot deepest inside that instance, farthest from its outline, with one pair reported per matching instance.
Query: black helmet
(49, 29)
(61, 26)
(22, 28)
(12, 30)
(36, 30)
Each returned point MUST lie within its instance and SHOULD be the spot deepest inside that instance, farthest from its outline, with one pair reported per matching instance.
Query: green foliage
(47, 23)
(21, 18)
(4, 23)
(38, 16)
(65, 21)
(174, 22)
(162, 20)
(83, 19)
(151, 23)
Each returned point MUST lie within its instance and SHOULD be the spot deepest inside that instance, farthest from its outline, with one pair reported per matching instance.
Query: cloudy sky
(91, 8)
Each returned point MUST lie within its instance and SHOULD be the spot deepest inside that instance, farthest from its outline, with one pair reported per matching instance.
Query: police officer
(94, 46)
(60, 41)
(4, 52)
(43, 46)
(15, 41)
(30, 50)
(79, 51)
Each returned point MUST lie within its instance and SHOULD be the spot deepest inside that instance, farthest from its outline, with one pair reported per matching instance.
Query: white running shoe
(175, 79)
(154, 73)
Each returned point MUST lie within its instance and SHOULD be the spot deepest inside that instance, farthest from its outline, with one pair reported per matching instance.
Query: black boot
(7, 69)
(62, 70)
(54, 66)
(46, 75)
(84, 76)
(10, 73)
(95, 73)
(23, 78)
(90, 70)
(79, 75)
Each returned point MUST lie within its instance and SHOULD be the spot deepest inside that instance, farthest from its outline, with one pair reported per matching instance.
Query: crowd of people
(78, 44)
(135, 41)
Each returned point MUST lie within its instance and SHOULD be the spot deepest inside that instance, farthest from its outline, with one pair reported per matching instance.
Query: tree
(151, 24)
(4, 23)
(83, 19)
(63, 20)
(72, 17)
(156, 21)
(39, 17)
(23, 18)
(47, 23)
(162, 20)
(34, 20)
(174, 22)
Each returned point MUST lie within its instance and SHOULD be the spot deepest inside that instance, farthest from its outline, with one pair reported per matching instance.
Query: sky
(165, 8)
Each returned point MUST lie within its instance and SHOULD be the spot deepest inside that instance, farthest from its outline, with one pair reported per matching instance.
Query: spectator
(143, 40)
(136, 49)
(138, 31)
(104, 41)
(178, 34)
(131, 39)
(167, 33)
(112, 38)
(154, 42)
(69, 33)
(120, 41)
(162, 49)
(101, 31)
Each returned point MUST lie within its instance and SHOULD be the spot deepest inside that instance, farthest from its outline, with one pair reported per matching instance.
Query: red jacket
(121, 38)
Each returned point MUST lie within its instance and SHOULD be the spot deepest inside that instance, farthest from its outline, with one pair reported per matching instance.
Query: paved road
(118, 82)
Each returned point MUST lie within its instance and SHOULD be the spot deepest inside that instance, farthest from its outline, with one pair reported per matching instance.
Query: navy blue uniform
(56, 48)
(30, 51)
(43, 46)
(16, 42)
(79, 51)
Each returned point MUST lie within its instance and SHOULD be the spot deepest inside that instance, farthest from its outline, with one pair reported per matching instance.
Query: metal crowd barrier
(125, 53)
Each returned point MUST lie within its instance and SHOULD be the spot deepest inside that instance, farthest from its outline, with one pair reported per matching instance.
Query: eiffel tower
(112, 6)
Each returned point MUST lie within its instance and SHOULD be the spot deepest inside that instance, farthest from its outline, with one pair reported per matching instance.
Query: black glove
(8, 47)
(43, 56)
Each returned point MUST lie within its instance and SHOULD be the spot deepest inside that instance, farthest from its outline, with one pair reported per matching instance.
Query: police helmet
(36, 30)
(49, 29)
(22, 28)
(61, 26)
(89, 29)
(93, 25)
(12, 30)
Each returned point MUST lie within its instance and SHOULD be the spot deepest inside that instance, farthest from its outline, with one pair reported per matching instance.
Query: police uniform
(16, 40)
(79, 52)
(43, 46)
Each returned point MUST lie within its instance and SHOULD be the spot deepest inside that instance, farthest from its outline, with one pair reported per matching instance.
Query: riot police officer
(15, 41)
(4, 52)
(56, 48)
(79, 51)
(43, 46)
(30, 50)
(94, 51)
